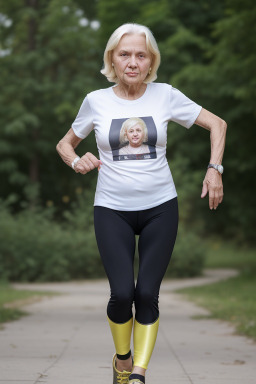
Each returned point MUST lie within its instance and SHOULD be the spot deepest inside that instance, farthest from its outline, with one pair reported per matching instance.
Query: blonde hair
(129, 123)
(131, 29)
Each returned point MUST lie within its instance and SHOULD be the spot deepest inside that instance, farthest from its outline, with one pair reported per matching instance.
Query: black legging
(115, 234)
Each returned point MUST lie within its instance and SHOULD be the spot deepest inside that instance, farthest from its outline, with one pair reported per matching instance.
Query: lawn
(12, 300)
(227, 255)
(233, 300)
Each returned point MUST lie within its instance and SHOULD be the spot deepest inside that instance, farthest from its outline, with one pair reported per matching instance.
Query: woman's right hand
(87, 163)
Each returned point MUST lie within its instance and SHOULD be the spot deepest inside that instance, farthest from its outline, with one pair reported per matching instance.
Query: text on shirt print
(133, 138)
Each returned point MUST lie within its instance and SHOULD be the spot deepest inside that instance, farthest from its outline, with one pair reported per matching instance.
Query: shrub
(188, 257)
(35, 247)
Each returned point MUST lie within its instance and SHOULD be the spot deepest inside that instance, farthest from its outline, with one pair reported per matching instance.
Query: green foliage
(226, 86)
(188, 256)
(50, 57)
(35, 248)
(53, 62)
(226, 254)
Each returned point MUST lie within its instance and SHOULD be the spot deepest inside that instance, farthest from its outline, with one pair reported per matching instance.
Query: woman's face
(135, 135)
(131, 59)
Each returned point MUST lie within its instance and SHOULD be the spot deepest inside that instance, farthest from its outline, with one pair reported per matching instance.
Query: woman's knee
(120, 305)
(122, 297)
(146, 305)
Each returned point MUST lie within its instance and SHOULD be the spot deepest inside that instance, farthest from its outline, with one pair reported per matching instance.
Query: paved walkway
(66, 340)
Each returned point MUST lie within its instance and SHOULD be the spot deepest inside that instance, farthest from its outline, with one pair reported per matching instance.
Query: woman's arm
(213, 179)
(65, 149)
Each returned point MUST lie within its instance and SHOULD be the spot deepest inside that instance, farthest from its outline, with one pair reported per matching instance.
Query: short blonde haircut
(129, 123)
(131, 29)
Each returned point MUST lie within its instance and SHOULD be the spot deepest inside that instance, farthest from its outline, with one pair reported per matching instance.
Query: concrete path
(66, 340)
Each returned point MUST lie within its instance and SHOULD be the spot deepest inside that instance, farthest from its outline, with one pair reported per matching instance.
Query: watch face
(220, 168)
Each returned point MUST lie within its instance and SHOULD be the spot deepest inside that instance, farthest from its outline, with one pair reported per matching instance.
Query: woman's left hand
(213, 184)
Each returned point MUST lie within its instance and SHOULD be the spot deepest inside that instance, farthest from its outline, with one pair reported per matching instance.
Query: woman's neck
(130, 92)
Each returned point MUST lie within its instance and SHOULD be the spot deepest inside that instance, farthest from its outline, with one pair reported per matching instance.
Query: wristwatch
(218, 167)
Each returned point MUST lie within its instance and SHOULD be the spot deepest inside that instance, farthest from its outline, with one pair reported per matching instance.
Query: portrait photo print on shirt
(133, 138)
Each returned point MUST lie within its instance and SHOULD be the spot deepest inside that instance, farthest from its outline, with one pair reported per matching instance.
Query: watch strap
(217, 167)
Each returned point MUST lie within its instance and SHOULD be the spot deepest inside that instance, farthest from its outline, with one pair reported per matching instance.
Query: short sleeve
(183, 110)
(83, 123)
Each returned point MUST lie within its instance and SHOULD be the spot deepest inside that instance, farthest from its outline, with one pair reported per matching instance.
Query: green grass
(222, 254)
(12, 300)
(233, 300)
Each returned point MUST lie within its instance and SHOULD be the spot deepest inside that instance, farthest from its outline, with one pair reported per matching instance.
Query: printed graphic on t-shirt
(133, 138)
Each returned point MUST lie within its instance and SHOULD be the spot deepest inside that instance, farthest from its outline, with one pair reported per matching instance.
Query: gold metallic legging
(144, 338)
(115, 233)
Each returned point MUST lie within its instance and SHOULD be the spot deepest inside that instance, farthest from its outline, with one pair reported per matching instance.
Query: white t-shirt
(136, 181)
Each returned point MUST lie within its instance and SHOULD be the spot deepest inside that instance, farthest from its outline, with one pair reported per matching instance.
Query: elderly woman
(133, 134)
(137, 197)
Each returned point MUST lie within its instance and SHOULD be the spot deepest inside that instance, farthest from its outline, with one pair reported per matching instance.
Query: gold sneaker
(135, 381)
(120, 377)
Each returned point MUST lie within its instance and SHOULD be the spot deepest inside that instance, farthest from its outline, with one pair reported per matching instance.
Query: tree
(50, 62)
(226, 86)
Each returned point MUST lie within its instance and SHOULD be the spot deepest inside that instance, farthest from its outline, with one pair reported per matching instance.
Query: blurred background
(50, 58)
